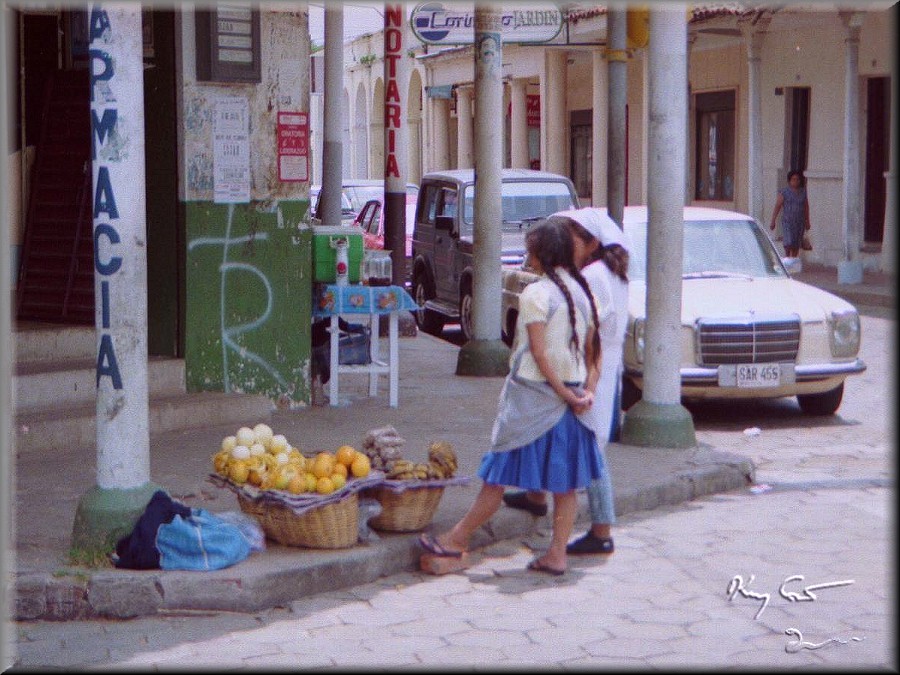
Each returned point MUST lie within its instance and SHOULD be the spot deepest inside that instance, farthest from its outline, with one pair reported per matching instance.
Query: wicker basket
(334, 525)
(408, 511)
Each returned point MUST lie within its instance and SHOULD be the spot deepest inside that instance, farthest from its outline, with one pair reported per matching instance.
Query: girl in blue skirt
(538, 442)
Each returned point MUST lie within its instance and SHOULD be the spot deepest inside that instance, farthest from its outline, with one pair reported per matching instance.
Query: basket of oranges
(298, 500)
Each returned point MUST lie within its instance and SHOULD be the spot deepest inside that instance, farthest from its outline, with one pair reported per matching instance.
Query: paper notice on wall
(231, 151)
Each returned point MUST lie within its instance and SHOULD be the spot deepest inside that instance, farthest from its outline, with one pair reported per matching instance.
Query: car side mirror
(444, 223)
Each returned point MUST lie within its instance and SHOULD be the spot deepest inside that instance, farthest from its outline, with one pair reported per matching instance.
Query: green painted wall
(249, 295)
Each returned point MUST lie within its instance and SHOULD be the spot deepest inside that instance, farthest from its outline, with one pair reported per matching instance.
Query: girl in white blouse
(538, 442)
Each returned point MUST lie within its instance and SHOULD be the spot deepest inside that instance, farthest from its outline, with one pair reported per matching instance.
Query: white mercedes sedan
(748, 330)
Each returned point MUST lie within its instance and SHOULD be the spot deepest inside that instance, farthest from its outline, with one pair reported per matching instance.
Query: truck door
(445, 247)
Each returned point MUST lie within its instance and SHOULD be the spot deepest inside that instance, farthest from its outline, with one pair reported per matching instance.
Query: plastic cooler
(325, 254)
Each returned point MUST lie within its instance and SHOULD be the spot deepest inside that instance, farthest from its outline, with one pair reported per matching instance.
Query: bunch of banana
(400, 469)
(442, 459)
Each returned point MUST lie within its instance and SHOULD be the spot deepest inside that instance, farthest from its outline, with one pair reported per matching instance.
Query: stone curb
(125, 594)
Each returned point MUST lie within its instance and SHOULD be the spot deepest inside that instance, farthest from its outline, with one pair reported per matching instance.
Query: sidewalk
(434, 404)
(877, 289)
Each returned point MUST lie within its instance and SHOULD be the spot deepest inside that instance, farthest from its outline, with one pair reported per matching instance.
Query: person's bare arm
(779, 202)
(594, 364)
(537, 332)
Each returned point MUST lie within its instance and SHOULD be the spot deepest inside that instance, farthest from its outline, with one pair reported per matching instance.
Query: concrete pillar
(486, 354)
(659, 419)
(754, 39)
(600, 104)
(889, 241)
(440, 135)
(645, 125)
(555, 111)
(617, 58)
(850, 269)
(464, 156)
(519, 124)
(332, 148)
(108, 511)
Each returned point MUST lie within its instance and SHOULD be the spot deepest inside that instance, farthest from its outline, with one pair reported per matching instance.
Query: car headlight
(844, 332)
(638, 338)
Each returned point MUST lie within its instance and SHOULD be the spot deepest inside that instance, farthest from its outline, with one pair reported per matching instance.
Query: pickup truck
(442, 261)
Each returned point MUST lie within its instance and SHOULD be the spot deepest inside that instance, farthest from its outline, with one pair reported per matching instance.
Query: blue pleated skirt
(564, 458)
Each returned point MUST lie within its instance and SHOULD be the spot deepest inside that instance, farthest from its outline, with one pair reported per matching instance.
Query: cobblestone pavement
(822, 508)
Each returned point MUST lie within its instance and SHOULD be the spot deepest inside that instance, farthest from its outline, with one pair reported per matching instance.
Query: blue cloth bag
(201, 541)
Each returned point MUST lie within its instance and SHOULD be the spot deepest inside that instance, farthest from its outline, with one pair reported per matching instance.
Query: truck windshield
(523, 202)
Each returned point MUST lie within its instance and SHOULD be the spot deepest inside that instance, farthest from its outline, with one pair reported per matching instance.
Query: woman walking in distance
(538, 442)
(794, 207)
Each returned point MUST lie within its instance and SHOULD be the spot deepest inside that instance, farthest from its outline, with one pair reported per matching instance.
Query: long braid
(579, 277)
(550, 241)
(554, 277)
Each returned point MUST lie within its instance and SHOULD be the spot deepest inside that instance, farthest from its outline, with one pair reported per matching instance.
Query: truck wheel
(427, 320)
(825, 403)
(630, 393)
(509, 334)
(465, 313)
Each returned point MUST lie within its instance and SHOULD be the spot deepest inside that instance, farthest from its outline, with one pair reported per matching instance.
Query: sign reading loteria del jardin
(435, 24)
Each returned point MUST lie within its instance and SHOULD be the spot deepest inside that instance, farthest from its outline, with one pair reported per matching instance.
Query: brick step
(76, 425)
(55, 343)
(39, 384)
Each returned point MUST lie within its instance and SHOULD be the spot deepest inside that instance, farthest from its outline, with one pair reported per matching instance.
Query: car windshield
(358, 195)
(713, 248)
(523, 202)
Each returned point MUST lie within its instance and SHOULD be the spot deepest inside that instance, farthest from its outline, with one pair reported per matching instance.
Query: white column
(519, 124)
(617, 60)
(440, 133)
(850, 268)
(645, 124)
(553, 155)
(754, 123)
(464, 157)
(332, 147)
(120, 245)
(488, 161)
(667, 107)
(600, 104)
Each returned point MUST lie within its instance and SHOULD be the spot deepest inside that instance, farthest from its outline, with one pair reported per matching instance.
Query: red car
(371, 220)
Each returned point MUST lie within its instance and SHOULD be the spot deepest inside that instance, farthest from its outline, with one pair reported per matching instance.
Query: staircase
(56, 279)
(54, 391)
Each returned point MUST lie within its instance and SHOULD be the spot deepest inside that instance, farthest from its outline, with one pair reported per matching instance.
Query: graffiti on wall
(230, 335)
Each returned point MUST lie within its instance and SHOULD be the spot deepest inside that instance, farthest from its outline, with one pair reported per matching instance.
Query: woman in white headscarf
(602, 247)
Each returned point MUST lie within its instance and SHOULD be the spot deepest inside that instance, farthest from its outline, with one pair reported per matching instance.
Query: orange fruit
(338, 480)
(324, 486)
(297, 484)
(340, 469)
(238, 471)
(310, 482)
(345, 455)
(360, 466)
(323, 465)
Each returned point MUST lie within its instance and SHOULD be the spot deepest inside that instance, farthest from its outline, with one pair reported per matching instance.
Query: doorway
(878, 143)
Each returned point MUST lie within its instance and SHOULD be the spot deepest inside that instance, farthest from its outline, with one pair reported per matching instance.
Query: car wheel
(465, 312)
(630, 393)
(426, 319)
(825, 403)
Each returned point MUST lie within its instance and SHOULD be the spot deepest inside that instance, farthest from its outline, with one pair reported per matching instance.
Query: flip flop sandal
(430, 544)
(537, 566)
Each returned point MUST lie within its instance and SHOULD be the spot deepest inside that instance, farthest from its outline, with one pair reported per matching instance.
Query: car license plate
(759, 375)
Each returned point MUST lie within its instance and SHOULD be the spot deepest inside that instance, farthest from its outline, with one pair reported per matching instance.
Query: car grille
(747, 341)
